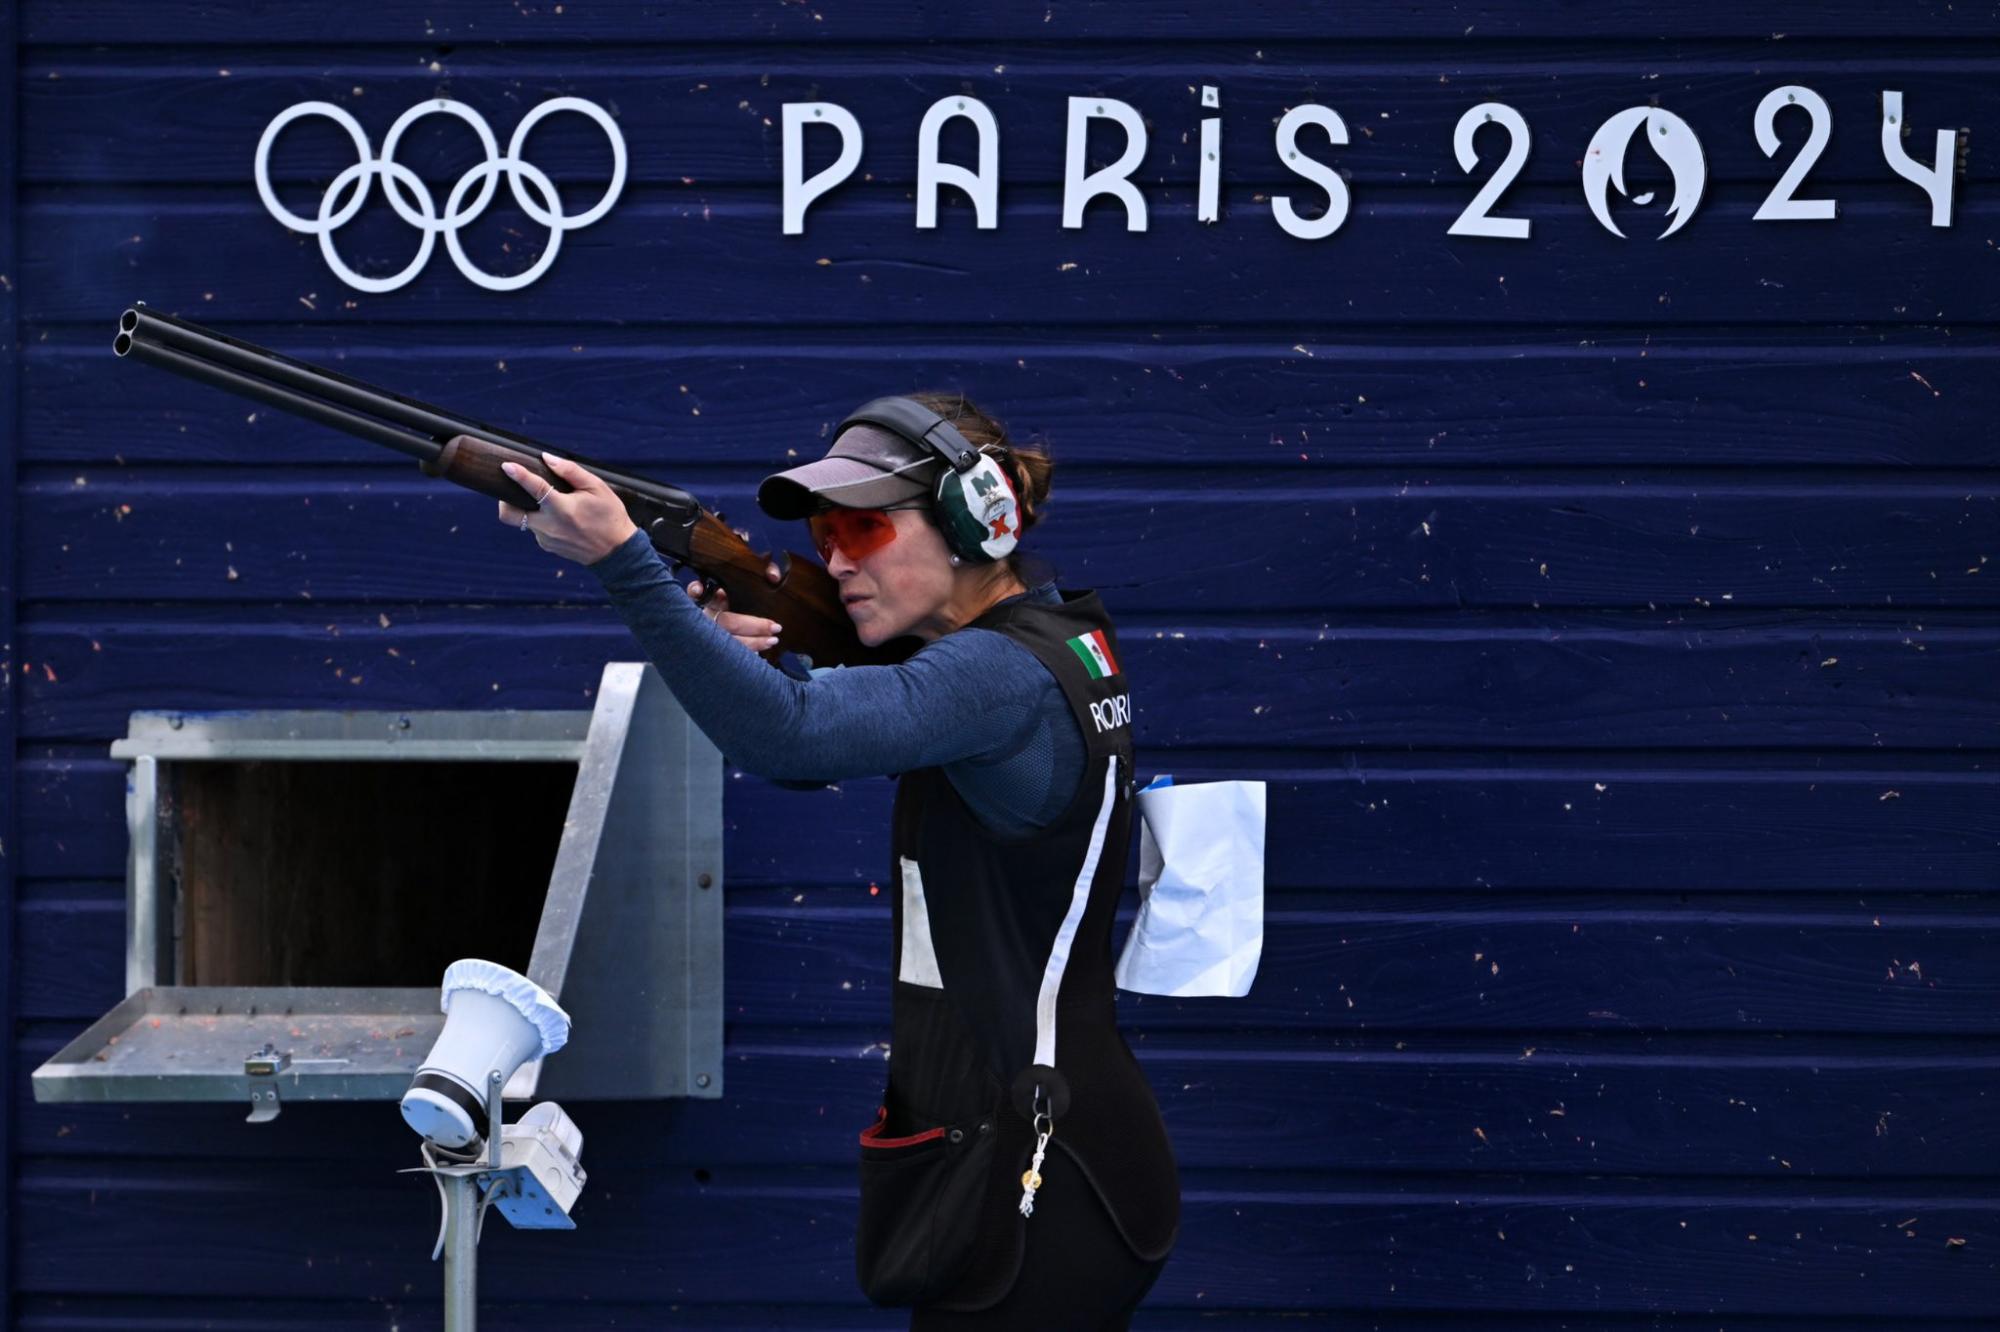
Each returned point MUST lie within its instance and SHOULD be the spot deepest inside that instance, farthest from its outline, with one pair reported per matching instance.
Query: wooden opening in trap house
(297, 883)
(357, 873)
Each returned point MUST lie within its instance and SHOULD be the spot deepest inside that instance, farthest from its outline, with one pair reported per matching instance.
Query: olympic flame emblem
(1671, 137)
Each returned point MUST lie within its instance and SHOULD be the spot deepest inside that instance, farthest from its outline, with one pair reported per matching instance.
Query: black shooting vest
(1003, 960)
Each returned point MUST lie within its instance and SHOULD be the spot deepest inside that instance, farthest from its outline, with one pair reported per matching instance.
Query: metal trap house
(298, 881)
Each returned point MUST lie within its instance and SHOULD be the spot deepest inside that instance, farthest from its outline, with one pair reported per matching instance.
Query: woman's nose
(838, 563)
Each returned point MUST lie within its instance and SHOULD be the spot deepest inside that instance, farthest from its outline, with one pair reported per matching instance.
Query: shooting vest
(1003, 961)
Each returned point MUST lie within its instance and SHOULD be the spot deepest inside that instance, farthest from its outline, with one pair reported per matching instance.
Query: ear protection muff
(974, 500)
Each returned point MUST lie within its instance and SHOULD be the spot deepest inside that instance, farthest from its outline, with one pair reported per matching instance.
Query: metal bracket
(264, 1105)
(495, 1082)
(262, 1068)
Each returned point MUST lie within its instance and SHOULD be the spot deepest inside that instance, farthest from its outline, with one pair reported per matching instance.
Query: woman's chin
(864, 628)
(870, 628)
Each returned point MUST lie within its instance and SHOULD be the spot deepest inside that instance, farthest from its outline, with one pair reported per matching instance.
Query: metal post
(461, 1249)
(461, 1231)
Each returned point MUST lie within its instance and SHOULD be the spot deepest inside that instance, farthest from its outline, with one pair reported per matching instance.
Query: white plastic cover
(533, 1002)
(1200, 929)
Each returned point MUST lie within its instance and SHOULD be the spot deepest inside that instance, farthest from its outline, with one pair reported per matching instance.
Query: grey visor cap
(867, 468)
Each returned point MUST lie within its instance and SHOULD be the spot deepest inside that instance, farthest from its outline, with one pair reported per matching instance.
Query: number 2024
(1676, 144)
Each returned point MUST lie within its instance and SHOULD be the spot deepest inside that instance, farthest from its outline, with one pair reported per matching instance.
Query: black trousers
(1077, 1274)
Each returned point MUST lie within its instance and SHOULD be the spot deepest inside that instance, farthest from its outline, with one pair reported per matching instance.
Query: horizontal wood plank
(1424, 679)
(1760, 1107)
(665, 400)
(862, 262)
(1275, 543)
(218, 1313)
(1697, 825)
(1767, 22)
(1247, 1240)
(1331, 964)
(706, 116)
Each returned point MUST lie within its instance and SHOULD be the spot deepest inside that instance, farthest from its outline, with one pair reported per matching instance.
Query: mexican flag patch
(1094, 651)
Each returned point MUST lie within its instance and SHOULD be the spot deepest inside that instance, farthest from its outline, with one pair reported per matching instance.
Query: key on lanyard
(1031, 1178)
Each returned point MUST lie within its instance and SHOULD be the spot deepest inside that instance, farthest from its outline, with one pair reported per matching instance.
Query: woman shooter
(1018, 1173)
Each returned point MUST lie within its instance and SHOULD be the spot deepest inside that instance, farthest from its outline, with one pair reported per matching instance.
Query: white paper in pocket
(1200, 928)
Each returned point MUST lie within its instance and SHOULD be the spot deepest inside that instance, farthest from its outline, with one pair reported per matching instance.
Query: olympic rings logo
(419, 209)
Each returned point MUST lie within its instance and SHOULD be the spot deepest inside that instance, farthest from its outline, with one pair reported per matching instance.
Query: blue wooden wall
(1613, 621)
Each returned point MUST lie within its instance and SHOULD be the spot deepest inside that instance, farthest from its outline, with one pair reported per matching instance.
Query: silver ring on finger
(524, 521)
(543, 498)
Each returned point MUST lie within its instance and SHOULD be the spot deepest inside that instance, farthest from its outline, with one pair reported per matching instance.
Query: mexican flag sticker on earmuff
(989, 501)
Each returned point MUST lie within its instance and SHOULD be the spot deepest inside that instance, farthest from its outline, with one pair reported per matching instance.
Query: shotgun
(805, 600)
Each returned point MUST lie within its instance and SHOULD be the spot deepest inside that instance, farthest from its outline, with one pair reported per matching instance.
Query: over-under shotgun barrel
(467, 452)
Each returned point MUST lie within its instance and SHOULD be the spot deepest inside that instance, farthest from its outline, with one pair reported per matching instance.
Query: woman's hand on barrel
(752, 631)
(584, 525)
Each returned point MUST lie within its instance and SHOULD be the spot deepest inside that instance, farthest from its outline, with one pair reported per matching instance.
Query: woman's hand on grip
(752, 631)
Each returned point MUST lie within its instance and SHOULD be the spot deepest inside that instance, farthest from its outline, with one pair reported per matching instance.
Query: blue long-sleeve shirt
(973, 702)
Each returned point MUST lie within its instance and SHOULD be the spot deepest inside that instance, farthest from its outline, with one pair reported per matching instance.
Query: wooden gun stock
(805, 600)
